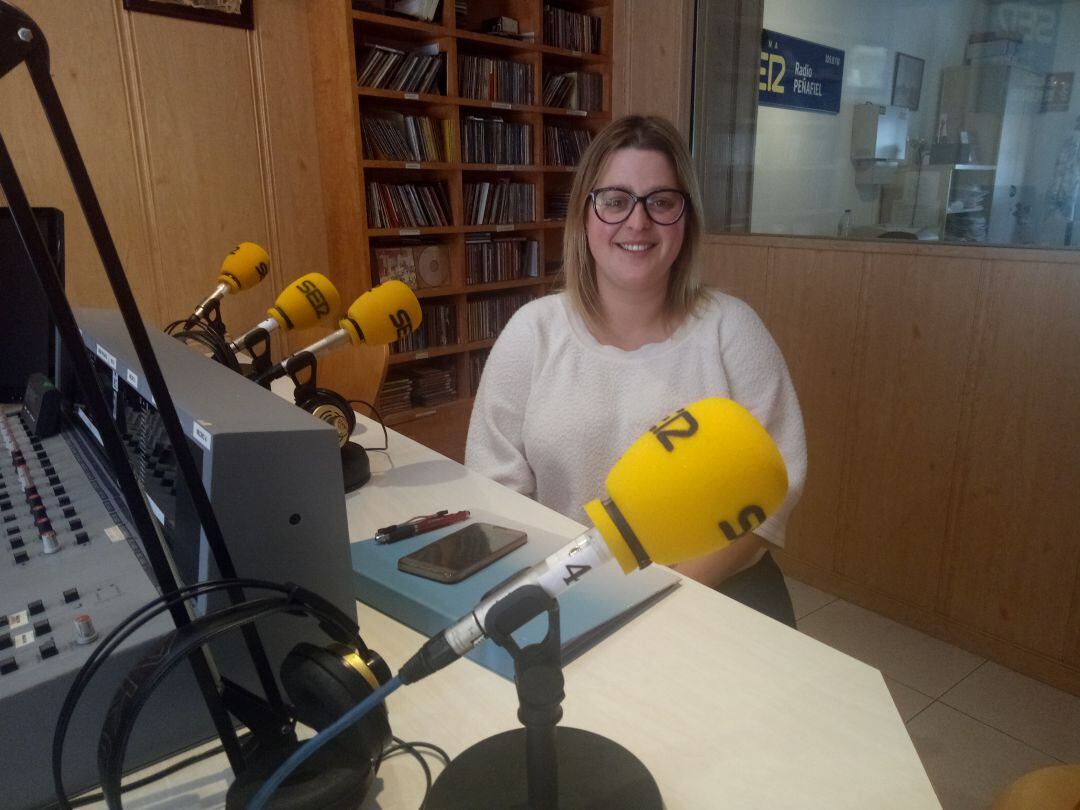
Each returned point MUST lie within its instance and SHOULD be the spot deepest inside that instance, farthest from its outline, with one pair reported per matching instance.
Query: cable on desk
(412, 748)
(379, 418)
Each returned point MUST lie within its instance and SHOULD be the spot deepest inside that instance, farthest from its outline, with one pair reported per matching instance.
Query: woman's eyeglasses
(665, 206)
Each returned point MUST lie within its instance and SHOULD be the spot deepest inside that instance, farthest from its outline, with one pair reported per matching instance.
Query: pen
(419, 525)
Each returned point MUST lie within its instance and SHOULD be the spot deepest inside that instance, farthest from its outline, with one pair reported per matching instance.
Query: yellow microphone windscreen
(307, 301)
(382, 315)
(245, 267)
(704, 476)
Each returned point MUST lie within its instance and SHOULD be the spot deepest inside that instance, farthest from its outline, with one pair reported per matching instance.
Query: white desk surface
(725, 707)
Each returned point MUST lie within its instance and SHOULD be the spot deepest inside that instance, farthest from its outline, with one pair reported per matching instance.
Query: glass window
(937, 120)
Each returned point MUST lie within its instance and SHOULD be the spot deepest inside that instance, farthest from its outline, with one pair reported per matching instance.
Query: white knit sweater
(556, 409)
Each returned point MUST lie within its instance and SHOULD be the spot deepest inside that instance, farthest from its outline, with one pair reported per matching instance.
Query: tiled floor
(976, 725)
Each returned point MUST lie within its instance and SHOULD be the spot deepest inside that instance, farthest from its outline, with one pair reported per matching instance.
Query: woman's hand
(712, 569)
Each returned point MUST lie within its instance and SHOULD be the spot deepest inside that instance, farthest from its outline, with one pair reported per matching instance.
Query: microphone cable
(199, 331)
(413, 749)
(113, 640)
(378, 418)
(305, 751)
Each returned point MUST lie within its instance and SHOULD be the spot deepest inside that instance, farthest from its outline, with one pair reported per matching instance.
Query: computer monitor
(28, 336)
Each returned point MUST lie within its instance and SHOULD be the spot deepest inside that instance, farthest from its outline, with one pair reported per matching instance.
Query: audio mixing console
(70, 571)
(68, 556)
(67, 550)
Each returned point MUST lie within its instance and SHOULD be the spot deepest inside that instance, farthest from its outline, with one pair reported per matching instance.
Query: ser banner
(798, 74)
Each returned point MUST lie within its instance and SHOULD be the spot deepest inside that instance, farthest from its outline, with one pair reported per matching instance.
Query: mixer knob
(84, 630)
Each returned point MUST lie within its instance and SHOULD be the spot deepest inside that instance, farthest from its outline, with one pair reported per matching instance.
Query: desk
(725, 707)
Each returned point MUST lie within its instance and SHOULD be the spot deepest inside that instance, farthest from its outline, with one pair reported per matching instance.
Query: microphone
(704, 476)
(382, 315)
(242, 269)
(301, 305)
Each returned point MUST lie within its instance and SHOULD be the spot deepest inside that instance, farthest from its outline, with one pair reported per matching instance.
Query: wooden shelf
(508, 227)
(494, 286)
(427, 354)
(424, 412)
(478, 103)
(405, 165)
(498, 43)
(406, 232)
(574, 56)
(372, 20)
(444, 230)
(342, 105)
(401, 95)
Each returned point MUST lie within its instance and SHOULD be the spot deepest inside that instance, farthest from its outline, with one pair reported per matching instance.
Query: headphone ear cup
(324, 683)
(334, 409)
(329, 780)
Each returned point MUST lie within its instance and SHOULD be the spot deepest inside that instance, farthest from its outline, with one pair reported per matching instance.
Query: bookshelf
(453, 177)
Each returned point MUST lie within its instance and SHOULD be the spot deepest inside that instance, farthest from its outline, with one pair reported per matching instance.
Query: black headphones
(329, 406)
(332, 408)
(206, 336)
(322, 683)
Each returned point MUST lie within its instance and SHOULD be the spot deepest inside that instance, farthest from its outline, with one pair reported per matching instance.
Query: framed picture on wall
(907, 81)
(237, 13)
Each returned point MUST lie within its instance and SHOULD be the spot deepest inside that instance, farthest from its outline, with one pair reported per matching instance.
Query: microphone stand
(560, 767)
(258, 350)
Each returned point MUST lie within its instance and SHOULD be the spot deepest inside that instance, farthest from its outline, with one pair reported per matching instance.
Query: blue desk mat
(597, 606)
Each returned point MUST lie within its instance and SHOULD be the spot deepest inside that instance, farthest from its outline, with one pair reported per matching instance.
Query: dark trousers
(761, 586)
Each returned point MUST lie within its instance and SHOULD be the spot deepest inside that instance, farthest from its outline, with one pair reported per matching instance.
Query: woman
(575, 378)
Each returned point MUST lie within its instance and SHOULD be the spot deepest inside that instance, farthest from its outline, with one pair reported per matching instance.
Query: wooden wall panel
(939, 387)
(1016, 554)
(290, 162)
(919, 318)
(337, 120)
(196, 137)
(204, 157)
(652, 59)
(89, 71)
(812, 312)
(737, 270)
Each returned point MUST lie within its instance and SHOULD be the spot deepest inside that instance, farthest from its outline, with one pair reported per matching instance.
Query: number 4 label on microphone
(576, 572)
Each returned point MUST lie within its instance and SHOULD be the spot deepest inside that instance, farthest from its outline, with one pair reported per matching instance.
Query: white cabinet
(987, 111)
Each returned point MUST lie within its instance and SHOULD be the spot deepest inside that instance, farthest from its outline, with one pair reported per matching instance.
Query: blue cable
(321, 739)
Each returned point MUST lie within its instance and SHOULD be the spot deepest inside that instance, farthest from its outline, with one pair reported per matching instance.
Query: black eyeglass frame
(645, 203)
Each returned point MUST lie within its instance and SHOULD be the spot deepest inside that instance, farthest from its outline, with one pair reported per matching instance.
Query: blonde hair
(685, 291)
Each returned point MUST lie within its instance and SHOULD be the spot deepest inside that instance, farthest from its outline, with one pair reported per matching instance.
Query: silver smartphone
(462, 553)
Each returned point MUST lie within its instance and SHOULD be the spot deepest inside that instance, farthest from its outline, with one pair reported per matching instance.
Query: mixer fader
(68, 560)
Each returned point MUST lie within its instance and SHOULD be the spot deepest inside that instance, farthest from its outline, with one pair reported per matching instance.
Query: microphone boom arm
(23, 42)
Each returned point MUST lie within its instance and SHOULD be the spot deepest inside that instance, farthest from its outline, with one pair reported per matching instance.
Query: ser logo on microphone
(402, 323)
(310, 290)
(670, 428)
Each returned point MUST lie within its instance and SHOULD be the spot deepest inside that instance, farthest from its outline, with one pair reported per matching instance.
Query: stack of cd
(432, 385)
(396, 394)
(556, 205)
